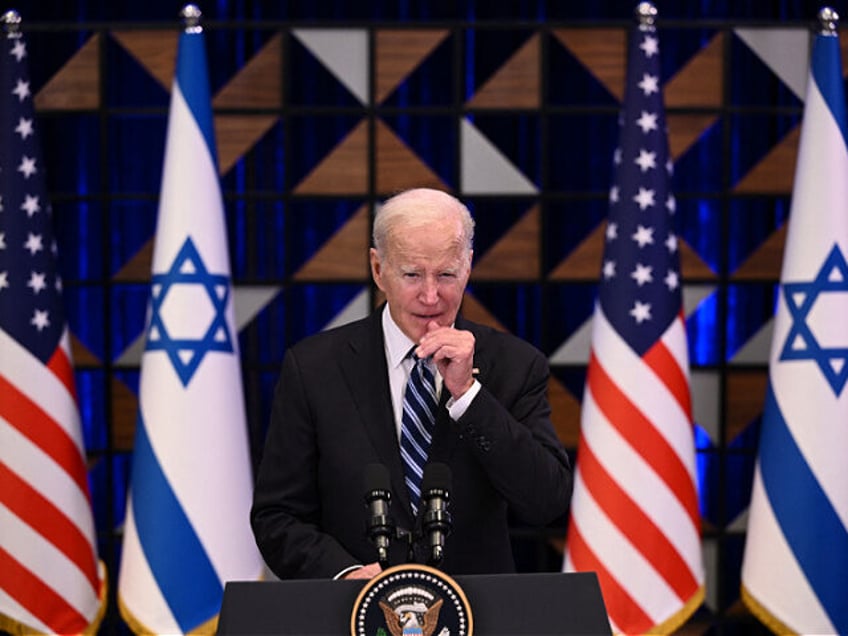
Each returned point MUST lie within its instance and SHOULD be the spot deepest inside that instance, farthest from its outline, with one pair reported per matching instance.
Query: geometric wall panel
(344, 256)
(515, 84)
(76, 86)
(602, 51)
(516, 255)
(398, 53)
(774, 173)
(156, 51)
(344, 52)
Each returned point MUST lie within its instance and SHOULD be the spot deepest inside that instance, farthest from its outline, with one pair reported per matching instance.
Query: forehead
(428, 246)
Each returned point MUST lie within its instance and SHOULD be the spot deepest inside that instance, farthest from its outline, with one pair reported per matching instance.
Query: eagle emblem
(413, 618)
(411, 600)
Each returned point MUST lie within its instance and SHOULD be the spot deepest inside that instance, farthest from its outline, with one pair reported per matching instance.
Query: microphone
(380, 526)
(437, 523)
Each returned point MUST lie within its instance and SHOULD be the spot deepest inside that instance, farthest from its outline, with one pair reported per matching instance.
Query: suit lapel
(364, 365)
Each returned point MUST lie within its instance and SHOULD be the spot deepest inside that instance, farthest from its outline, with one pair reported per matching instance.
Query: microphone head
(376, 477)
(437, 476)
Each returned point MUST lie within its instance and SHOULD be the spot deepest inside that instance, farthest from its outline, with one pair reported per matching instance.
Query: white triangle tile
(250, 300)
(785, 51)
(485, 169)
(706, 387)
(575, 350)
(694, 295)
(345, 54)
(357, 308)
(758, 348)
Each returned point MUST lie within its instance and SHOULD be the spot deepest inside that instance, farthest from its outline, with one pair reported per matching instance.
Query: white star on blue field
(801, 343)
(186, 353)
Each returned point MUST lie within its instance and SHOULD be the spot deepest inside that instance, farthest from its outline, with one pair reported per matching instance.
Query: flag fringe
(677, 619)
(209, 627)
(764, 616)
(17, 628)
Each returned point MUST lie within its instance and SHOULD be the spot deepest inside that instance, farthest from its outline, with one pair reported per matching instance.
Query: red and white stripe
(50, 579)
(634, 514)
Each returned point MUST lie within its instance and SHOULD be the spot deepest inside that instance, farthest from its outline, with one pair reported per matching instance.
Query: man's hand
(453, 352)
(365, 572)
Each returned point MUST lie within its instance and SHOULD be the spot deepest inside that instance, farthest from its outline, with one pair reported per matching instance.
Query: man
(339, 407)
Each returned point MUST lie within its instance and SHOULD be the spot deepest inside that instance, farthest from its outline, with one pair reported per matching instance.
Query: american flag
(50, 577)
(634, 516)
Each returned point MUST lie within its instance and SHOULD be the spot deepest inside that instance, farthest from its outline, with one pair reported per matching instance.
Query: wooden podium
(501, 605)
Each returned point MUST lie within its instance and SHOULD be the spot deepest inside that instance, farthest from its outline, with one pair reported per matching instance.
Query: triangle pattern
(576, 349)
(344, 170)
(259, 82)
(602, 51)
(76, 86)
(684, 130)
(344, 256)
(399, 52)
(775, 173)
(758, 348)
(485, 169)
(138, 267)
(357, 308)
(475, 311)
(237, 134)
(249, 300)
(766, 262)
(156, 51)
(398, 167)
(584, 261)
(345, 54)
(700, 82)
(516, 84)
(82, 355)
(516, 254)
(785, 51)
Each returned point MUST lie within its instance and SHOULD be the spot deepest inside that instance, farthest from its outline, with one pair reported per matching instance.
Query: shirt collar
(398, 343)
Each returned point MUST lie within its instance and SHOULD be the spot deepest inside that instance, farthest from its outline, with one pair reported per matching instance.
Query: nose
(429, 291)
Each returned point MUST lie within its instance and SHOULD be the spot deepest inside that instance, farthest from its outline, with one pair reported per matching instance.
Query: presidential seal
(411, 600)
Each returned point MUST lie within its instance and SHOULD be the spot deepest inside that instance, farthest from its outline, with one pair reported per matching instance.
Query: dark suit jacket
(332, 415)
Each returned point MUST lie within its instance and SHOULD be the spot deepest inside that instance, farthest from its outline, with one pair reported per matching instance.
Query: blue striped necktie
(417, 424)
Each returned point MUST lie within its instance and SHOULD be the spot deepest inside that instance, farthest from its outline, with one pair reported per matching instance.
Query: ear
(376, 268)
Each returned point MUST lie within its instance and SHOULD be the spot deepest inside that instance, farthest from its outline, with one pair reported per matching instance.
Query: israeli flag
(795, 570)
(187, 524)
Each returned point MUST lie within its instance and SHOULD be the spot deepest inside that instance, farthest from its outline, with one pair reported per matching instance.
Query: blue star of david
(801, 343)
(186, 354)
